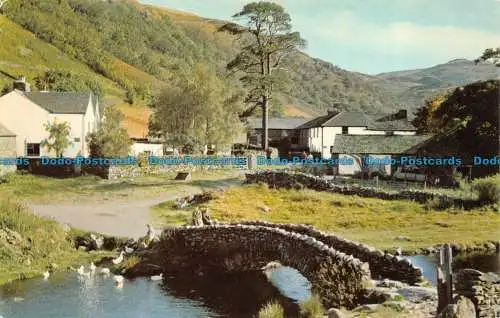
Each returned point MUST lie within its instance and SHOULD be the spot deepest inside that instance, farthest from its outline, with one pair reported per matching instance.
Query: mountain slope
(414, 86)
(142, 47)
(136, 49)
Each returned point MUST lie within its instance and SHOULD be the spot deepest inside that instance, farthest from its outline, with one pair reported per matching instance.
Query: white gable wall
(24, 118)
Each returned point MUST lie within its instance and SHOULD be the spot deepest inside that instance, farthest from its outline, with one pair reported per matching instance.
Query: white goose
(105, 271)
(150, 234)
(46, 275)
(119, 259)
(129, 250)
(92, 267)
(157, 277)
(118, 280)
(81, 272)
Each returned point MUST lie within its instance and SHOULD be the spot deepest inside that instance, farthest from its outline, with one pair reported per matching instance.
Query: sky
(375, 36)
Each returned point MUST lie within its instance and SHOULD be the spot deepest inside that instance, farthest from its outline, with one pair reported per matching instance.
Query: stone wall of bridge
(338, 278)
(381, 265)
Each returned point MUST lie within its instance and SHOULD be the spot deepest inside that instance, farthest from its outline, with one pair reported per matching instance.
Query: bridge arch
(339, 279)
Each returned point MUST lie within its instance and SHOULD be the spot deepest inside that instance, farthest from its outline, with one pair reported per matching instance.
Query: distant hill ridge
(128, 46)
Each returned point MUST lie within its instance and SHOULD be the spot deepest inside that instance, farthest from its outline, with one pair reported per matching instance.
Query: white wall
(363, 131)
(76, 123)
(24, 118)
(355, 167)
(139, 147)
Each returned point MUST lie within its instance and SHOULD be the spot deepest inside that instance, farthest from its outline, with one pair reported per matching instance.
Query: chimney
(22, 85)
(401, 114)
(333, 111)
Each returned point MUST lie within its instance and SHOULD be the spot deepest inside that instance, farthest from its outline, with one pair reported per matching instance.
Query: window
(295, 140)
(76, 139)
(33, 150)
(345, 130)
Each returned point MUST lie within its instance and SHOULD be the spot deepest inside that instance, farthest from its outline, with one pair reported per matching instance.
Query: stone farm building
(283, 133)
(24, 113)
(342, 134)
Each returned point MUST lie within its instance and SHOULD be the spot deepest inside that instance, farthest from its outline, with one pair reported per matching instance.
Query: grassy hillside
(142, 47)
(135, 49)
(23, 54)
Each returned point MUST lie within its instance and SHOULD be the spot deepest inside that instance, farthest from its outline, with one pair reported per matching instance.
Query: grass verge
(39, 189)
(30, 244)
(372, 221)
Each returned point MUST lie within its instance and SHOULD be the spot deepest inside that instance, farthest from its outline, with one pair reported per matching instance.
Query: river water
(65, 295)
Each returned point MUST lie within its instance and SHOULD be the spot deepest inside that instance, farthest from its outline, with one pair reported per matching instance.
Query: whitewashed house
(24, 113)
(147, 146)
(342, 134)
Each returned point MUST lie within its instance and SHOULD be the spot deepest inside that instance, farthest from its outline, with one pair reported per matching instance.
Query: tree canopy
(58, 139)
(490, 54)
(471, 111)
(199, 110)
(60, 81)
(266, 38)
(110, 139)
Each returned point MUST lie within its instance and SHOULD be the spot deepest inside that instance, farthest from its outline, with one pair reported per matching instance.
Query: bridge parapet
(381, 265)
(338, 278)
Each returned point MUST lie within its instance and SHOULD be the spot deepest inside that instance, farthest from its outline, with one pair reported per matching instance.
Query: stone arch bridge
(338, 278)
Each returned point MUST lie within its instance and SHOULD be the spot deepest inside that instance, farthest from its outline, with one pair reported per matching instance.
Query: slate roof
(60, 102)
(277, 123)
(4, 132)
(390, 125)
(376, 144)
(359, 119)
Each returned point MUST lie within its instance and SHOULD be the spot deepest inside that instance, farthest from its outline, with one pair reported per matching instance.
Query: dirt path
(117, 218)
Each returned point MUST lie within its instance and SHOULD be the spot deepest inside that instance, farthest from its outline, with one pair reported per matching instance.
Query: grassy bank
(372, 221)
(29, 244)
(41, 189)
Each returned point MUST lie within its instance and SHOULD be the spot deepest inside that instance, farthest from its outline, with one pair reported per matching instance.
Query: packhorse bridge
(337, 269)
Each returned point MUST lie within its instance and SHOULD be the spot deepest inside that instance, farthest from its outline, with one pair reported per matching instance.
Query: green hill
(133, 49)
(141, 47)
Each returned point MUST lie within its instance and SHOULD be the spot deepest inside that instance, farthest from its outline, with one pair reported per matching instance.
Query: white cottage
(24, 113)
(337, 134)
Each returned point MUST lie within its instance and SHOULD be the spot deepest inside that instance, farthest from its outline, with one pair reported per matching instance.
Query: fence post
(444, 278)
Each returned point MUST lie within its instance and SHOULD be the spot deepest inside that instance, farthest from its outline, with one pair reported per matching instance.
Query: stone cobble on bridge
(338, 278)
(382, 265)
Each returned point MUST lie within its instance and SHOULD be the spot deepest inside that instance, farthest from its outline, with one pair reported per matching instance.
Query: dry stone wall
(298, 180)
(382, 265)
(482, 288)
(338, 278)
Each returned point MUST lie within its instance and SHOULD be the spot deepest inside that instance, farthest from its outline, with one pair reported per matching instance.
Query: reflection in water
(480, 261)
(237, 295)
(68, 296)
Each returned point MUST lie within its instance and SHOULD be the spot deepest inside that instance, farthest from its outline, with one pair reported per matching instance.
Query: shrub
(488, 188)
(439, 203)
(143, 160)
(272, 310)
(312, 308)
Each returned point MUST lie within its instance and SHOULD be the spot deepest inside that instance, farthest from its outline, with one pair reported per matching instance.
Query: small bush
(272, 310)
(439, 203)
(488, 188)
(312, 308)
(143, 160)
